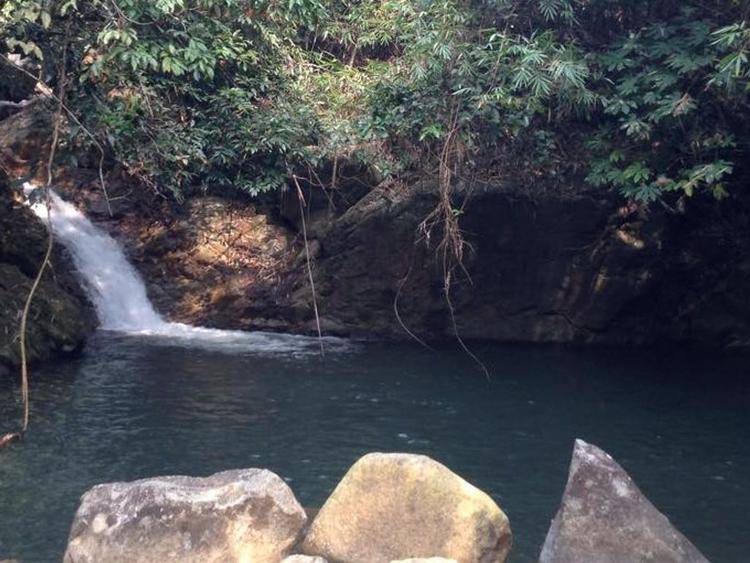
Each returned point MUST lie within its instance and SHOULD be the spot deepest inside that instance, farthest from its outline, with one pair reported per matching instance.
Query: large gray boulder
(247, 515)
(399, 506)
(604, 517)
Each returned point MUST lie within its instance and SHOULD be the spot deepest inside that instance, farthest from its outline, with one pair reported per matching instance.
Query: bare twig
(401, 285)
(48, 252)
(24, 321)
(7, 439)
(301, 199)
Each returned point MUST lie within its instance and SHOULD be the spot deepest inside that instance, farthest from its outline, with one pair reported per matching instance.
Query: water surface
(136, 406)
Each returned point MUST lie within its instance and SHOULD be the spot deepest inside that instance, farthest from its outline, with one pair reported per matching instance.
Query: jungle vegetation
(648, 97)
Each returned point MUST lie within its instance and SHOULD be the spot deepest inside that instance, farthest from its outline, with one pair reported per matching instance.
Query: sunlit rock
(397, 506)
(247, 516)
(304, 559)
(604, 517)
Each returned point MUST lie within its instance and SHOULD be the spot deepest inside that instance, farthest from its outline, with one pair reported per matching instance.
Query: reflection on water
(135, 406)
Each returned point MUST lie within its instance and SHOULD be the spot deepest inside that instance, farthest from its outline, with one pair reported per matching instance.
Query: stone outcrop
(579, 266)
(566, 265)
(396, 506)
(60, 318)
(210, 262)
(233, 516)
(605, 518)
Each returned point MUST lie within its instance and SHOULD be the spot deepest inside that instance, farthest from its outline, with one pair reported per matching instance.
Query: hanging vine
(11, 437)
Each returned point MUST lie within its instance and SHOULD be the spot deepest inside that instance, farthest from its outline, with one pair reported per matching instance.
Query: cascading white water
(119, 294)
(111, 282)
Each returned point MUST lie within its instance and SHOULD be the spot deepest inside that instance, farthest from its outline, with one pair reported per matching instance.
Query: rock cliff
(60, 317)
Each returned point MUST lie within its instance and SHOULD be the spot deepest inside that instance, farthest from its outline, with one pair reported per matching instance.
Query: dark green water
(133, 407)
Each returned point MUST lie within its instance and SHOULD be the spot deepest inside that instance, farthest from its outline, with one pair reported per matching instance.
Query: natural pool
(135, 406)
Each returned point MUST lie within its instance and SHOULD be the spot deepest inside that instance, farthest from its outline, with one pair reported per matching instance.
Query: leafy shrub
(192, 95)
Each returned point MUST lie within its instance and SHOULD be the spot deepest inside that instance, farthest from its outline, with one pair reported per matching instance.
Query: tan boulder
(239, 516)
(398, 506)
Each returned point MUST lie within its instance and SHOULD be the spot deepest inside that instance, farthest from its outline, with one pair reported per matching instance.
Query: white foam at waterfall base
(119, 295)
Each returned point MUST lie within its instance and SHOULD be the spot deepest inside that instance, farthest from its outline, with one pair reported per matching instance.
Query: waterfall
(111, 282)
(119, 295)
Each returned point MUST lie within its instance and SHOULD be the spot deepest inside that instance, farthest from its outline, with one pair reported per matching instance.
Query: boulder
(427, 560)
(240, 515)
(396, 506)
(604, 517)
(304, 559)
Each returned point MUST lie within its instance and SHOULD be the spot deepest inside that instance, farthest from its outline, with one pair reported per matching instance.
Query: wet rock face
(210, 261)
(580, 266)
(233, 516)
(398, 506)
(60, 318)
(544, 270)
(605, 518)
(576, 267)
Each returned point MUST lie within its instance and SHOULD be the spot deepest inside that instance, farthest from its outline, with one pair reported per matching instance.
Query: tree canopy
(649, 97)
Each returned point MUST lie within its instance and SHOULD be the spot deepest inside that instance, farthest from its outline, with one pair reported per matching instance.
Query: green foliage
(647, 96)
(497, 83)
(667, 102)
(187, 94)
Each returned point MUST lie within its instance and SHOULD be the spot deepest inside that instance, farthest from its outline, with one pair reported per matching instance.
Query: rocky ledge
(388, 508)
(60, 318)
(579, 266)
(541, 265)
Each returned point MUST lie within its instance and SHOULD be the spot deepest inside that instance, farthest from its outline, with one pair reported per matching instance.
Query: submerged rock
(395, 506)
(240, 515)
(604, 517)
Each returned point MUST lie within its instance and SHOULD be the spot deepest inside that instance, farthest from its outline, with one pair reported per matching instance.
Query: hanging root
(464, 347)
(24, 321)
(401, 285)
(7, 439)
(301, 200)
(445, 219)
(11, 437)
